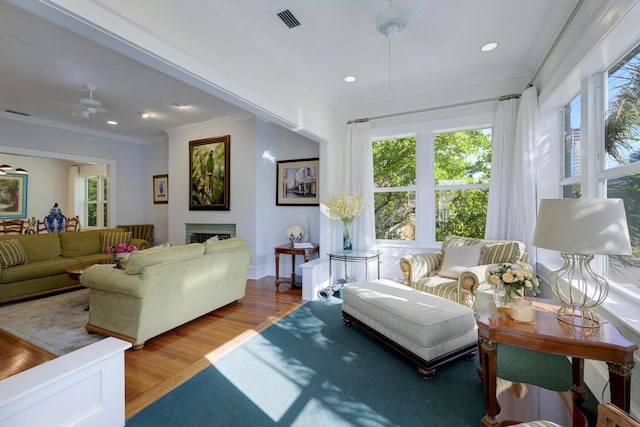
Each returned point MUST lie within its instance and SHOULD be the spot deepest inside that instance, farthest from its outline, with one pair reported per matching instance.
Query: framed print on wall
(297, 183)
(13, 196)
(160, 189)
(209, 187)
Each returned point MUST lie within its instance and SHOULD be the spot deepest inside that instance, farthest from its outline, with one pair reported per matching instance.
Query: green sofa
(47, 257)
(162, 288)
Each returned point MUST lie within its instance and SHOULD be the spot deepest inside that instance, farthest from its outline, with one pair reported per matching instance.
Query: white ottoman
(427, 329)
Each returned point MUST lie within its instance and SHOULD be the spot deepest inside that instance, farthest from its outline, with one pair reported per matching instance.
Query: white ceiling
(44, 67)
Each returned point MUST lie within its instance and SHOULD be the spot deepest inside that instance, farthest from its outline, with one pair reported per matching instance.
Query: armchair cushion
(458, 258)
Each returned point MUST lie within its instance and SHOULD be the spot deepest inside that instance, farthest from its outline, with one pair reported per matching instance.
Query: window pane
(572, 138)
(622, 122)
(105, 181)
(92, 188)
(461, 212)
(463, 157)
(104, 215)
(91, 215)
(626, 269)
(395, 215)
(571, 191)
(394, 163)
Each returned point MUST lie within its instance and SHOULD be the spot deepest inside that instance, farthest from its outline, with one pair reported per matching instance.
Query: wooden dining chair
(14, 226)
(73, 224)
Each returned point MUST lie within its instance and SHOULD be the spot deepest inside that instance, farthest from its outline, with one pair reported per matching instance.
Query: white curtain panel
(359, 179)
(524, 206)
(502, 170)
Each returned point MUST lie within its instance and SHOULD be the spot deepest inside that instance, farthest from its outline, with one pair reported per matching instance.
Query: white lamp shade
(583, 226)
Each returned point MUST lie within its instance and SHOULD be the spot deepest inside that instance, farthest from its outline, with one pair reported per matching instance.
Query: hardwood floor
(170, 359)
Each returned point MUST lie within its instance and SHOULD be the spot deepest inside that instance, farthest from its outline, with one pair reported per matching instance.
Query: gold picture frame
(160, 189)
(209, 167)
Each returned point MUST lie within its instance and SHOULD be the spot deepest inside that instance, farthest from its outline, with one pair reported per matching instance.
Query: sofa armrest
(417, 265)
(139, 243)
(113, 280)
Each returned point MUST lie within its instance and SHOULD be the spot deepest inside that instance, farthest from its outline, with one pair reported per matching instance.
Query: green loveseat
(47, 257)
(460, 279)
(162, 288)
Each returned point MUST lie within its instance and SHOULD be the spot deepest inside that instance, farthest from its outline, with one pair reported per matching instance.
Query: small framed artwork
(209, 186)
(160, 189)
(297, 182)
(13, 196)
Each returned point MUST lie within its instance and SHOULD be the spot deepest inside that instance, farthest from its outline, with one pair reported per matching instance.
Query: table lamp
(581, 229)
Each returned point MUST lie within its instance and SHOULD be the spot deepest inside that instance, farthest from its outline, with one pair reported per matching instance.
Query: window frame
(478, 116)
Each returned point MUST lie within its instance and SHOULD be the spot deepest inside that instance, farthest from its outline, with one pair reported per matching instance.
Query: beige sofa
(458, 271)
(162, 288)
(37, 266)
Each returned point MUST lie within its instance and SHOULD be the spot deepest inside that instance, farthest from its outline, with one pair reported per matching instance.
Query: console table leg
(620, 379)
(277, 270)
(578, 390)
(489, 366)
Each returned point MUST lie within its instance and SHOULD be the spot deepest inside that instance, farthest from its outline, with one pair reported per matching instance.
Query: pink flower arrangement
(121, 248)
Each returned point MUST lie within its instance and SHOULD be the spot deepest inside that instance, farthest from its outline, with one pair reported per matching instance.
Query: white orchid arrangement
(294, 232)
(344, 206)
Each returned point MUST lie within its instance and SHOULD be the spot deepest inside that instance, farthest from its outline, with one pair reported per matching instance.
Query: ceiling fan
(90, 106)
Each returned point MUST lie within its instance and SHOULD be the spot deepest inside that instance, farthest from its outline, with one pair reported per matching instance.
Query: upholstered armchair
(140, 231)
(457, 272)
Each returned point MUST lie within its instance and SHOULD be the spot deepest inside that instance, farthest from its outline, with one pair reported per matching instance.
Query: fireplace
(198, 233)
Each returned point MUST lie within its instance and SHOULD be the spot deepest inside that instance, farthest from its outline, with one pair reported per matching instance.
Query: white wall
(253, 180)
(130, 182)
(43, 189)
(156, 157)
(272, 220)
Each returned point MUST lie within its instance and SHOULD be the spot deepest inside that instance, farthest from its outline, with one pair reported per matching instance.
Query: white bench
(427, 329)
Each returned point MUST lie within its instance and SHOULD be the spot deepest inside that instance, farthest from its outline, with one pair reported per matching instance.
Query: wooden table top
(548, 334)
(74, 271)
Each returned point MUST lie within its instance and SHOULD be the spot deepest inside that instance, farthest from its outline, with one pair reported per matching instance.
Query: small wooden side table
(547, 334)
(289, 249)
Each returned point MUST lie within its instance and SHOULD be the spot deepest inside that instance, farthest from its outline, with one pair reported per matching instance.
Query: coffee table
(76, 270)
(547, 334)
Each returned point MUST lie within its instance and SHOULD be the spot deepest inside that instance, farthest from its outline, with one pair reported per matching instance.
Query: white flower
(294, 231)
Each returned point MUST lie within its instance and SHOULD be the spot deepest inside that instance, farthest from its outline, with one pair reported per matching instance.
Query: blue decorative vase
(55, 221)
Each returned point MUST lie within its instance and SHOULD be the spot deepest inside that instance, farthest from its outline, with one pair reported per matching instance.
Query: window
(461, 177)
(96, 205)
(454, 192)
(394, 176)
(572, 149)
(620, 171)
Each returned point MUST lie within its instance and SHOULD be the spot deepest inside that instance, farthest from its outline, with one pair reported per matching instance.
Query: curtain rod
(574, 12)
(442, 107)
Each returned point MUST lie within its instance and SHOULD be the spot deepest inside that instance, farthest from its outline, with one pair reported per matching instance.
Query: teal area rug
(310, 370)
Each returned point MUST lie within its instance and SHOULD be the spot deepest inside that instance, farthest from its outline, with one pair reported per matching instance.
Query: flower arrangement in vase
(295, 233)
(346, 207)
(121, 252)
(510, 281)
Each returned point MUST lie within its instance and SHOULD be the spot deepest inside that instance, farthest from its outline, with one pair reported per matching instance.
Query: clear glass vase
(502, 298)
(346, 236)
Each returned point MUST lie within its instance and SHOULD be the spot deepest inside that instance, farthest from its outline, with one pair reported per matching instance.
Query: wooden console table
(547, 334)
(289, 249)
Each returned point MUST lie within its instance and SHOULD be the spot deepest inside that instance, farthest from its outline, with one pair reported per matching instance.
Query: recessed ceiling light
(489, 46)
(178, 105)
(145, 114)
(112, 122)
(350, 79)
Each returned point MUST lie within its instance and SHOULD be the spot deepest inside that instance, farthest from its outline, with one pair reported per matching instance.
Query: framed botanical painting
(13, 196)
(209, 174)
(160, 189)
(297, 182)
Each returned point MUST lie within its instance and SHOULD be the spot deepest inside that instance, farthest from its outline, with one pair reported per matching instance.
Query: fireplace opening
(203, 237)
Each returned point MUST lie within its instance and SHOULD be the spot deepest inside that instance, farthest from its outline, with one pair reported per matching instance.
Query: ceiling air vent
(289, 20)
(17, 112)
